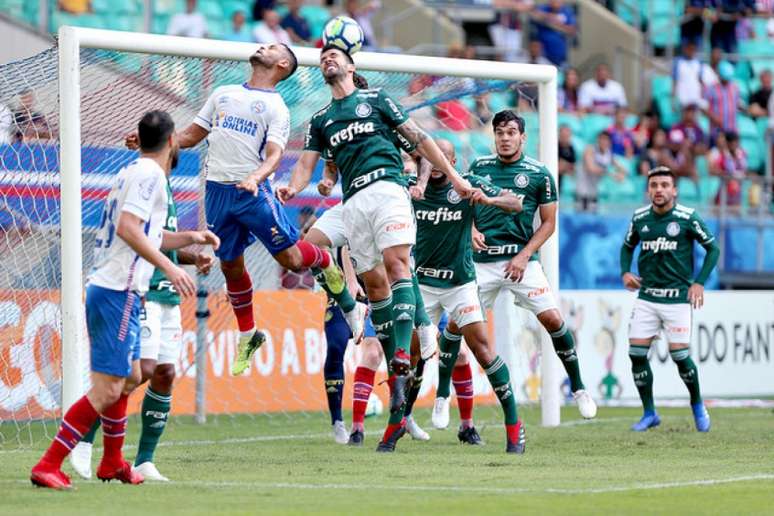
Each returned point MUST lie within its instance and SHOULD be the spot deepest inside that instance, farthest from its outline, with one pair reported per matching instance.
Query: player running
(247, 127)
(160, 341)
(126, 250)
(379, 224)
(666, 232)
(507, 259)
(447, 278)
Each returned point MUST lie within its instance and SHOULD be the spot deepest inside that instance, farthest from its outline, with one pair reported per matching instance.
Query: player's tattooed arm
(506, 201)
(429, 150)
(300, 177)
(423, 176)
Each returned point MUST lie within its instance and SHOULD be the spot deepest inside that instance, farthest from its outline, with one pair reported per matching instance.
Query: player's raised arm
(490, 195)
(300, 177)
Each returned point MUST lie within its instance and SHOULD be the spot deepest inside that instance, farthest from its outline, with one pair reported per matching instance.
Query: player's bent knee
(290, 258)
(462, 358)
(163, 378)
(148, 368)
(233, 270)
(317, 237)
(551, 320)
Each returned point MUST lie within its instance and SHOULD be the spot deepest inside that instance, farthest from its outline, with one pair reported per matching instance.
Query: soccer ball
(343, 32)
(374, 407)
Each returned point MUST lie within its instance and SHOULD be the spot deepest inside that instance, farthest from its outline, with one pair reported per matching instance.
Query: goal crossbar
(73, 39)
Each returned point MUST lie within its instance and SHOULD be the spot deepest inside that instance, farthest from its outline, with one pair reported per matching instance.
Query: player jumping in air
(126, 250)
(507, 258)
(247, 127)
(160, 341)
(666, 232)
(356, 127)
(447, 279)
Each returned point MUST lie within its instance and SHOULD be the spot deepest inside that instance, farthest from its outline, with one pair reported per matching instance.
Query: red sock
(391, 427)
(462, 379)
(114, 430)
(361, 390)
(240, 293)
(512, 432)
(312, 256)
(76, 422)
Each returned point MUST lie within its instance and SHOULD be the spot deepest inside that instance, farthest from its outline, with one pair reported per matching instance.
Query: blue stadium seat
(661, 85)
(572, 121)
(708, 189)
(499, 100)
(168, 7)
(567, 191)
(702, 167)
(688, 191)
(316, 16)
(211, 10)
(481, 143)
(594, 124)
(755, 153)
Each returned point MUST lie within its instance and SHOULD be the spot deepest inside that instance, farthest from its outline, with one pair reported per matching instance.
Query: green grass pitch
(288, 464)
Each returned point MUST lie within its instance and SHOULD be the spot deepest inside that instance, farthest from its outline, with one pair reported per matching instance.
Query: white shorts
(532, 293)
(461, 303)
(376, 218)
(648, 318)
(161, 332)
(331, 224)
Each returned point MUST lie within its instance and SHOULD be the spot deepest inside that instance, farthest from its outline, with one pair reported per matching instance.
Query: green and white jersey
(358, 131)
(666, 242)
(506, 233)
(444, 252)
(160, 289)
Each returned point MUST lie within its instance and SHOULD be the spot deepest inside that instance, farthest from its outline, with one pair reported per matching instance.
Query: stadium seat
(629, 164)
(744, 89)
(572, 121)
(593, 125)
(688, 191)
(211, 10)
(755, 156)
(481, 143)
(745, 126)
(567, 191)
(702, 167)
(232, 6)
(499, 100)
(168, 7)
(317, 16)
(708, 189)
(661, 85)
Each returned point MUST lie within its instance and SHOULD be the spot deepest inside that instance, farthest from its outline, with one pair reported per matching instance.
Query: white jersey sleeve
(241, 121)
(139, 189)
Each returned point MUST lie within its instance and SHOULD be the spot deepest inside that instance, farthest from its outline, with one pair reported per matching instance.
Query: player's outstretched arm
(130, 230)
(429, 150)
(506, 201)
(300, 176)
(188, 137)
(178, 239)
(268, 167)
(202, 261)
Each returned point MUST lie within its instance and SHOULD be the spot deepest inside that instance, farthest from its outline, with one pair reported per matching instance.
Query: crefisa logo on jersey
(258, 106)
(363, 110)
(453, 197)
(521, 181)
(673, 229)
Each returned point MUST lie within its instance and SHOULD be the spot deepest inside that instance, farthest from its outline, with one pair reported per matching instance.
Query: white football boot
(586, 405)
(440, 416)
(80, 459)
(150, 472)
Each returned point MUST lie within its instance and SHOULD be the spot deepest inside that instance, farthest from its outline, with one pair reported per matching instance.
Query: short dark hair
(731, 136)
(329, 46)
(361, 82)
(662, 171)
(508, 115)
(154, 129)
(293, 61)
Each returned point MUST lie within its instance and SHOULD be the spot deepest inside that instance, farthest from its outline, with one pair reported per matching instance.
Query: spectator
(259, 6)
(567, 99)
(621, 137)
(295, 24)
(239, 31)
(687, 129)
(598, 161)
(601, 94)
(75, 6)
(727, 14)
(362, 15)
(567, 158)
(722, 101)
(534, 54)
(506, 31)
(189, 24)
(659, 153)
(728, 161)
(759, 101)
(643, 131)
(690, 76)
(270, 30)
(692, 27)
(6, 125)
(30, 124)
(555, 24)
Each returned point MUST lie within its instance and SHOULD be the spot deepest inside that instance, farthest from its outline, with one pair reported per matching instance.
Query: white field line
(454, 489)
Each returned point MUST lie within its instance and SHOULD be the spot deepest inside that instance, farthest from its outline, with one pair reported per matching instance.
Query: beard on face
(259, 60)
(437, 181)
(335, 76)
(174, 158)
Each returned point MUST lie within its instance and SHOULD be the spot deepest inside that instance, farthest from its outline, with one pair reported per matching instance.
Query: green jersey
(666, 242)
(160, 289)
(444, 251)
(358, 131)
(506, 233)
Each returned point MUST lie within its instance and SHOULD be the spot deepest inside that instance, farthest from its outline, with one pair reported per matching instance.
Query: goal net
(452, 100)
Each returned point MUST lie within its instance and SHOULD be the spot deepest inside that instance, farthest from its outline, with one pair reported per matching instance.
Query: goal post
(72, 40)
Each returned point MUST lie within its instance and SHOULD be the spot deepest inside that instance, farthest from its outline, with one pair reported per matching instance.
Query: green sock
(449, 349)
(344, 299)
(643, 376)
(500, 378)
(403, 309)
(688, 372)
(155, 411)
(89, 437)
(381, 318)
(564, 345)
(420, 315)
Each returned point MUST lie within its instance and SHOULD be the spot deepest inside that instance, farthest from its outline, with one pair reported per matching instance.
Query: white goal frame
(72, 40)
